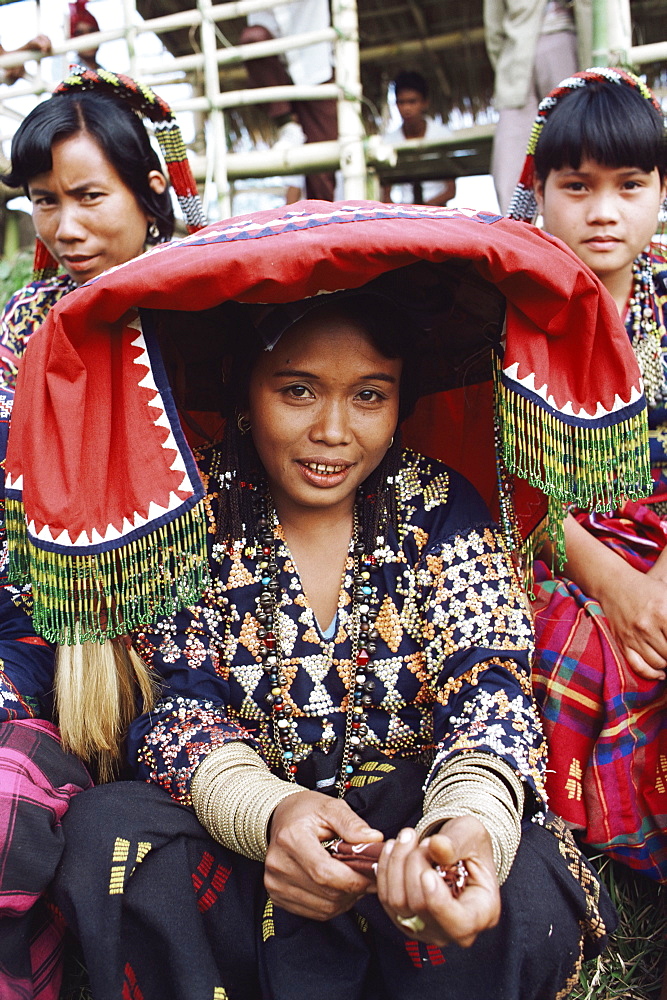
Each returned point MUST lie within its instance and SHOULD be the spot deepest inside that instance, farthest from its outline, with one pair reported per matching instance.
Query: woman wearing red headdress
(338, 639)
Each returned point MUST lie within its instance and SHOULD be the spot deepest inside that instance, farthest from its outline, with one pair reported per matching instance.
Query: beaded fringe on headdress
(148, 104)
(153, 575)
(575, 463)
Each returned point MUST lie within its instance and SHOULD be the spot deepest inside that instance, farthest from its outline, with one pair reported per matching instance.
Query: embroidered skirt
(165, 913)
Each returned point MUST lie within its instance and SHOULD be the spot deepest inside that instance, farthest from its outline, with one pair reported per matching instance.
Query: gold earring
(243, 423)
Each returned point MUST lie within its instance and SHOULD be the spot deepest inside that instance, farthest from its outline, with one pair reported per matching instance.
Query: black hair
(118, 131)
(606, 122)
(409, 79)
(390, 331)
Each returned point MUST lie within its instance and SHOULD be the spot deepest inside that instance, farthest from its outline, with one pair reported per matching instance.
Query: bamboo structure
(357, 156)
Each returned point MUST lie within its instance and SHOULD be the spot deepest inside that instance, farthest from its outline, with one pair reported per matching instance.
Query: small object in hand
(414, 924)
(363, 858)
(455, 876)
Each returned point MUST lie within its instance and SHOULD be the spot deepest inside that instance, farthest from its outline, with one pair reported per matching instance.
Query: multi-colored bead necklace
(646, 336)
(363, 637)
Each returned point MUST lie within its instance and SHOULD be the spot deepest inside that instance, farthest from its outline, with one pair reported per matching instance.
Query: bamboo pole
(325, 155)
(130, 12)
(351, 130)
(216, 122)
(599, 41)
(259, 95)
(242, 53)
(652, 52)
(612, 32)
(619, 31)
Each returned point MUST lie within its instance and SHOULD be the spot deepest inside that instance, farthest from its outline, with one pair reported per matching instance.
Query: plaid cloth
(606, 727)
(37, 781)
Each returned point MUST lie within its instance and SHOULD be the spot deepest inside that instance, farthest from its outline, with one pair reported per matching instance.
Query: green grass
(631, 968)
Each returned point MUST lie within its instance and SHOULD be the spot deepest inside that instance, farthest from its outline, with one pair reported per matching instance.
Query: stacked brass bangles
(234, 795)
(483, 786)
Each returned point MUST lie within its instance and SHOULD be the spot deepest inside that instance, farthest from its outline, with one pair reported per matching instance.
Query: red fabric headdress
(105, 509)
(80, 15)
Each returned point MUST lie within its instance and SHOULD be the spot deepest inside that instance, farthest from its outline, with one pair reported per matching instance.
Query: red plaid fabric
(606, 727)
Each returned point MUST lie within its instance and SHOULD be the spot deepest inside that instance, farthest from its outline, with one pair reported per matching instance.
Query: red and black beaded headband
(145, 102)
(523, 205)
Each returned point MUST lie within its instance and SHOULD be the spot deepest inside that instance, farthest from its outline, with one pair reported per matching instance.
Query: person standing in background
(411, 91)
(300, 121)
(532, 45)
(82, 22)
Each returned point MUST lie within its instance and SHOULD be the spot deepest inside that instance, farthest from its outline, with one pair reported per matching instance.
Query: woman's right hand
(299, 874)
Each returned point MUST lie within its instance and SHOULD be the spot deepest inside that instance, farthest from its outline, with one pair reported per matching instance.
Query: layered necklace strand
(646, 336)
(363, 638)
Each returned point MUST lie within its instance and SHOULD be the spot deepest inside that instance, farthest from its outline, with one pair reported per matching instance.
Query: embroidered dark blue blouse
(451, 665)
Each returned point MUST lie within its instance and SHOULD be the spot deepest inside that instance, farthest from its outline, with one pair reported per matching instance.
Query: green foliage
(15, 272)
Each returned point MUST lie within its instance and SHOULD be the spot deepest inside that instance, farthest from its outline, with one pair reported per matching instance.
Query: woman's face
(607, 215)
(84, 212)
(323, 406)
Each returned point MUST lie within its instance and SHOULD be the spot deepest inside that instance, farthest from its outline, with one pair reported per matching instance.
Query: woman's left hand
(408, 885)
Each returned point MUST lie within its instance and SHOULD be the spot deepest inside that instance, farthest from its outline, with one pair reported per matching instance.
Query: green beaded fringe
(90, 598)
(595, 468)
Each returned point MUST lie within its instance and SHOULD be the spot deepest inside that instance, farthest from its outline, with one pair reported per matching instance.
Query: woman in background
(99, 195)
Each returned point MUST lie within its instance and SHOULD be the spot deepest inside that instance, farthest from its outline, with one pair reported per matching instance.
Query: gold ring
(414, 923)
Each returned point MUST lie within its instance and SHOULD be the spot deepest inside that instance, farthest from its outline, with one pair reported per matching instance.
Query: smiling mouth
(325, 470)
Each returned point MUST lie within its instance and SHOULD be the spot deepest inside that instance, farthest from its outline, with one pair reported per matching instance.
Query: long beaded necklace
(646, 336)
(363, 636)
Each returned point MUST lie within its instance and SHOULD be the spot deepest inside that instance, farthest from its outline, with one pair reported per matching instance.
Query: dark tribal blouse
(451, 664)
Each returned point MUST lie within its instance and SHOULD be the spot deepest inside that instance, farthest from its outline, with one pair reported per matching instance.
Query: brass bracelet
(479, 785)
(234, 795)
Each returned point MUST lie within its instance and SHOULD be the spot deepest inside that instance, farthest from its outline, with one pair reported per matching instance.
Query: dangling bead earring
(153, 231)
(243, 423)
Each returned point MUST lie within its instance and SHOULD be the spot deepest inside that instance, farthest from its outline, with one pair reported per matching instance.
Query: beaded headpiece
(111, 528)
(149, 105)
(523, 205)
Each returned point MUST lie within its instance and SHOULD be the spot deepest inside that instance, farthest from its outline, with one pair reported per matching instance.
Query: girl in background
(596, 171)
